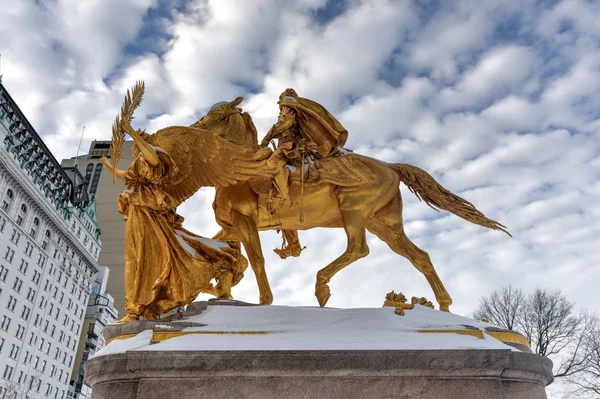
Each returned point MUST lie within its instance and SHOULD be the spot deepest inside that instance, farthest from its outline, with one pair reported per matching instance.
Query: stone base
(464, 374)
(285, 352)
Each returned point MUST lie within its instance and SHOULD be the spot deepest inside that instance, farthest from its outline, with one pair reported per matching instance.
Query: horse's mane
(230, 126)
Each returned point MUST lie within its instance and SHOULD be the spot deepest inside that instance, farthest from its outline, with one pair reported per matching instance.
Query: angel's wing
(204, 159)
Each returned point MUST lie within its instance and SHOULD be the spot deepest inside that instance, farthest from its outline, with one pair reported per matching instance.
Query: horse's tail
(426, 188)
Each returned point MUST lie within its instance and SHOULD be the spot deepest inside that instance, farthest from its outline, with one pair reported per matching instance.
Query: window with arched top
(47, 238)
(22, 214)
(7, 201)
(34, 227)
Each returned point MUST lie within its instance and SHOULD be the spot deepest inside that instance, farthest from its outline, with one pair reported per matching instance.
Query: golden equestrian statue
(167, 266)
(348, 191)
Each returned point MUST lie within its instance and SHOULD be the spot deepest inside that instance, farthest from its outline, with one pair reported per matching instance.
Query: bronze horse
(375, 206)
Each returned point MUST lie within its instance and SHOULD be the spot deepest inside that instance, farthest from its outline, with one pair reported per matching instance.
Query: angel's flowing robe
(165, 265)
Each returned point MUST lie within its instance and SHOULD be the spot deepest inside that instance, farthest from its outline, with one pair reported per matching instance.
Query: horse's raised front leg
(247, 231)
(354, 225)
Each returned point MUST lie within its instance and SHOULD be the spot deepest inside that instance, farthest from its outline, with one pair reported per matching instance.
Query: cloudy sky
(498, 100)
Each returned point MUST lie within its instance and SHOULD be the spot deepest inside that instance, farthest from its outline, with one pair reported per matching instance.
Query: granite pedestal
(144, 373)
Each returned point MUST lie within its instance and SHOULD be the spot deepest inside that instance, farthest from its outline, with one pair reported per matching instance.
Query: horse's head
(226, 120)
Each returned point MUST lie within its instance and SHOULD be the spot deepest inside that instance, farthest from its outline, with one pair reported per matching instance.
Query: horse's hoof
(266, 299)
(445, 306)
(323, 293)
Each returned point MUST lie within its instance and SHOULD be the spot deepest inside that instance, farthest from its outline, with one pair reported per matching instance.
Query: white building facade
(49, 246)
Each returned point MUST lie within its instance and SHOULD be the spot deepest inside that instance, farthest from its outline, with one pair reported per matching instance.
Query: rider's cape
(317, 126)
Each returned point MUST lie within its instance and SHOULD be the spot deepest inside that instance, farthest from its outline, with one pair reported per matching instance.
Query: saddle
(335, 170)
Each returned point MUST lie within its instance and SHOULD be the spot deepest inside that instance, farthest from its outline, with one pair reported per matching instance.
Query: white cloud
(513, 112)
(499, 71)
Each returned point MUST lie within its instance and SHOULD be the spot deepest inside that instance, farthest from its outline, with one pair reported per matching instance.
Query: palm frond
(132, 100)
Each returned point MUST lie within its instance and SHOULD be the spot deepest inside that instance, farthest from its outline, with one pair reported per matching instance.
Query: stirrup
(289, 251)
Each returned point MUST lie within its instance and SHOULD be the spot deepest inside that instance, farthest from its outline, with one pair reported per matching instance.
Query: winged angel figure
(167, 266)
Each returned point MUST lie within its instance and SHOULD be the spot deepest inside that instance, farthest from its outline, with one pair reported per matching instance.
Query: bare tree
(587, 380)
(24, 390)
(551, 325)
(504, 308)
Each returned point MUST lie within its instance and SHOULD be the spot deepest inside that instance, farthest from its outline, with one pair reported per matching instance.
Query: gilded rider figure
(304, 128)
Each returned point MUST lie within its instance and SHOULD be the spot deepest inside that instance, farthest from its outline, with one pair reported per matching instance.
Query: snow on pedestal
(312, 328)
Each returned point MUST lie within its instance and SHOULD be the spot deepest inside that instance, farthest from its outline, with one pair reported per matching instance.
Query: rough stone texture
(463, 374)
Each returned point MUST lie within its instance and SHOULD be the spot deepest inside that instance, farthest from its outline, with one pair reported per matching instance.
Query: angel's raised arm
(149, 152)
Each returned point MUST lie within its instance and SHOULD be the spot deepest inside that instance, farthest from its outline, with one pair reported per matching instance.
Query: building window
(2, 223)
(11, 303)
(34, 228)
(48, 237)
(20, 332)
(41, 260)
(36, 277)
(5, 323)
(3, 273)
(29, 249)
(96, 179)
(14, 351)
(8, 370)
(15, 236)
(7, 201)
(88, 173)
(17, 284)
(23, 266)
(31, 295)
(25, 313)
(22, 214)
(9, 254)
